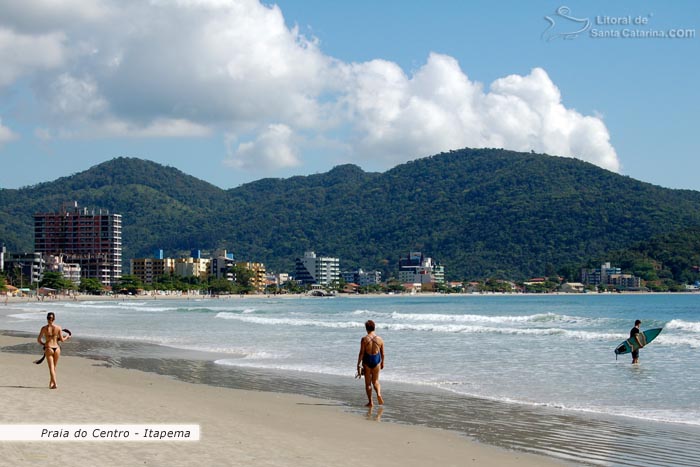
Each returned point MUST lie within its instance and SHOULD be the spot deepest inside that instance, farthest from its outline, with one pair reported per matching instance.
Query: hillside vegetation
(665, 261)
(480, 212)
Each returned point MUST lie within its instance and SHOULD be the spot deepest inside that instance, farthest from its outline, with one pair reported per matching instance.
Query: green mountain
(157, 203)
(480, 212)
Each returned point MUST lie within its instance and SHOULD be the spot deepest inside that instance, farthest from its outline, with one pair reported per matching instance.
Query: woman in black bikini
(371, 358)
(52, 334)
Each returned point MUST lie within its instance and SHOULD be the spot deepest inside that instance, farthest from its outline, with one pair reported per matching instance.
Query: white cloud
(167, 68)
(80, 101)
(6, 135)
(398, 117)
(211, 62)
(274, 148)
(35, 16)
(158, 128)
(535, 103)
(21, 54)
(69, 97)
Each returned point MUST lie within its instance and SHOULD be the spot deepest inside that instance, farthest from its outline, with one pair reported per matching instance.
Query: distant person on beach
(634, 335)
(52, 334)
(371, 361)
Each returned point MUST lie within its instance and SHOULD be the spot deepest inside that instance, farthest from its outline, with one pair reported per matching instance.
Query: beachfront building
(258, 278)
(598, 276)
(572, 287)
(150, 269)
(192, 267)
(221, 265)
(91, 239)
(607, 275)
(418, 269)
(282, 278)
(319, 270)
(69, 271)
(362, 278)
(625, 281)
(24, 268)
(276, 280)
(3, 250)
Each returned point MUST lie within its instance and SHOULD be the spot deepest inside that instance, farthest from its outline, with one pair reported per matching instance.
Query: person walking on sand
(371, 361)
(52, 334)
(634, 334)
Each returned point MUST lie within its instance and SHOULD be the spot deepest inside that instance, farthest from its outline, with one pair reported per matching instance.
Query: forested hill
(666, 262)
(480, 212)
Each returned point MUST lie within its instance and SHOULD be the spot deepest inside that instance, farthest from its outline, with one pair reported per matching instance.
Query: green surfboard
(631, 344)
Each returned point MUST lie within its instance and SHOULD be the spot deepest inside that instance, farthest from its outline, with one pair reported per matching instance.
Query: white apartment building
(363, 278)
(321, 270)
(70, 271)
(418, 269)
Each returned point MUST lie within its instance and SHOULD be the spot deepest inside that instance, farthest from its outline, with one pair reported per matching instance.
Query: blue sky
(234, 91)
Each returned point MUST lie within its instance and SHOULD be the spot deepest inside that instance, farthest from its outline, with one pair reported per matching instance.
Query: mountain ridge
(480, 212)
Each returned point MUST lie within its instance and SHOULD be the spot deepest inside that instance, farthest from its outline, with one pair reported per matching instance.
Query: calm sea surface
(548, 358)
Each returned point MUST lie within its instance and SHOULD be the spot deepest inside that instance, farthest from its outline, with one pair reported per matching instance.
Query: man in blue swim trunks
(371, 360)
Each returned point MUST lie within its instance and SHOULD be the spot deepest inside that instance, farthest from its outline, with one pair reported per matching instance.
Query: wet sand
(238, 426)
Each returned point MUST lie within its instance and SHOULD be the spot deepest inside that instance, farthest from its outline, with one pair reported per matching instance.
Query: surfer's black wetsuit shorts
(633, 332)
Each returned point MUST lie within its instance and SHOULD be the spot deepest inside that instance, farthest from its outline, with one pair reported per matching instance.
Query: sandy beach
(237, 427)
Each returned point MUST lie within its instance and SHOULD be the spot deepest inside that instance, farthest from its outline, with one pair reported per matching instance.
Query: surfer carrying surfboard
(52, 334)
(634, 334)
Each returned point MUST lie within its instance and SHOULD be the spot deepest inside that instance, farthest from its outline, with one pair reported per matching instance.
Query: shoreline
(7, 300)
(238, 426)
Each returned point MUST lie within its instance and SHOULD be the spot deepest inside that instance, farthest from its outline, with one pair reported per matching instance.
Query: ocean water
(545, 356)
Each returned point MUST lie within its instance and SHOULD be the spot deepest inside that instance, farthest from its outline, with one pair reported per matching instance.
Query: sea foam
(690, 326)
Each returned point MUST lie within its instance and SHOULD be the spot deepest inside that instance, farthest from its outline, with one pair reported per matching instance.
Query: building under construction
(92, 239)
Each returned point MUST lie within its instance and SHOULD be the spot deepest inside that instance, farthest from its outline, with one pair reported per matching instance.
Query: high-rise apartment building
(312, 269)
(92, 239)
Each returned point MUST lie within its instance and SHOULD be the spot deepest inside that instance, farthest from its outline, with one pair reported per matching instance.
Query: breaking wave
(691, 326)
(423, 327)
(536, 318)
